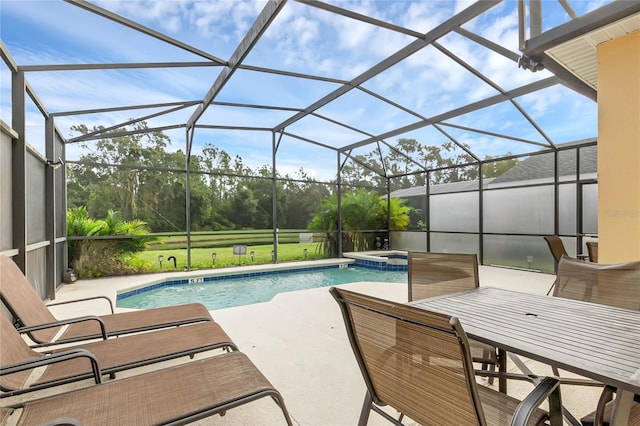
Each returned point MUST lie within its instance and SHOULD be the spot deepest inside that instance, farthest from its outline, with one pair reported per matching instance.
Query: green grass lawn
(201, 258)
(229, 238)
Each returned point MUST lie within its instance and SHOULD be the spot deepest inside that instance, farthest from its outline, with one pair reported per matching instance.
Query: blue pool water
(226, 293)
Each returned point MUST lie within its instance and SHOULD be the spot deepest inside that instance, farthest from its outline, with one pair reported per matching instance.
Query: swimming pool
(226, 293)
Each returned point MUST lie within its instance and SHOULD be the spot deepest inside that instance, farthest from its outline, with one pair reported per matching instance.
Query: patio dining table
(595, 341)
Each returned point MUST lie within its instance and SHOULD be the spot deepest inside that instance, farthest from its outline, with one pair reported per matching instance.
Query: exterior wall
(619, 149)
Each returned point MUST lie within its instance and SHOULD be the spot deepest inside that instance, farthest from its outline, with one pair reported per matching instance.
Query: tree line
(136, 176)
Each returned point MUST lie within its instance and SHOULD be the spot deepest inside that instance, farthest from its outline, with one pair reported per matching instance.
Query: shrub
(92, 258)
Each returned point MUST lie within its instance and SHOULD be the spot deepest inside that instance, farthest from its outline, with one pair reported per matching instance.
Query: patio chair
(174, 395)
(29, 310)
(608, 284)
(556, 246)
(592, 250)
(92, 360)
(437, 274)
(418, 362)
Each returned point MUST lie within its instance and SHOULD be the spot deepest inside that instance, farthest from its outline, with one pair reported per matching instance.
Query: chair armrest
(84, 300)
(605, 397)
(50, 359)
(103, 329)
(549, 388)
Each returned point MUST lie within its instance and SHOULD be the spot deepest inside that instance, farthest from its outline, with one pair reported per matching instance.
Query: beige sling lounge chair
(436, 274)
(418, 362)
(92, 360)
(26, 306)
(170, 396)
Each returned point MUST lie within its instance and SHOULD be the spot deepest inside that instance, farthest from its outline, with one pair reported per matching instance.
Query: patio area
(298, 341)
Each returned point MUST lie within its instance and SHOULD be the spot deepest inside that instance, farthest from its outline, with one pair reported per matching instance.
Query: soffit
(580, 55)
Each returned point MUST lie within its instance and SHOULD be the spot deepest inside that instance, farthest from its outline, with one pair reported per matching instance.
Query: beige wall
(619, 149)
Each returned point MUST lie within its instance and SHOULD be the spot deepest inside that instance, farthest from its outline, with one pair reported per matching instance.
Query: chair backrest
(436, 274)
(608, 284)
(13, 350)
(556, 246)
(592, 250)
(416, 361)
(22, 300)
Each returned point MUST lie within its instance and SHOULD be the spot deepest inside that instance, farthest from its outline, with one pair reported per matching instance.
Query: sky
(301, 39)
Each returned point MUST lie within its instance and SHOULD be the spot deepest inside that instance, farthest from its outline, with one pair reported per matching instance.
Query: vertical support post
(187, 191)
(535, 18)
(522, 24)
(389, 212)
(19, 166)
(62, 207)
(274, 194)
(481, 212)
(427, 216)
(556, 199)
(556, 194)
(579, 227)
(339, 202)
(51, 272)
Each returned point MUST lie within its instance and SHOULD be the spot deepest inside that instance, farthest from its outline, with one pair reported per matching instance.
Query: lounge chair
(608, 284)
(170, 396)
(436, 274)
(92, 360)
(29, 310)
(418, 363)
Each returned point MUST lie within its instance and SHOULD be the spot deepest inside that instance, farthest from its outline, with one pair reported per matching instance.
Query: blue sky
(301, 39)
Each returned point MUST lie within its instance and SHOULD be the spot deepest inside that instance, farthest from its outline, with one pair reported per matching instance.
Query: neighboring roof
(541, 166)
(419, 191)
(532, 168)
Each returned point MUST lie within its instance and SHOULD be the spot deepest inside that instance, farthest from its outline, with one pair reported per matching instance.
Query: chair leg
(280, 403)
(366, 410)
(491, 379)
(485, 366)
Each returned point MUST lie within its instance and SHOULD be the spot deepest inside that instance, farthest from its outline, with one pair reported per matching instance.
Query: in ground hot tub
(386, 260)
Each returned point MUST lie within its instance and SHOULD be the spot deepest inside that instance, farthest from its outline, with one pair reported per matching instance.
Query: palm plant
(363, 213)
(326, 220)
(92, 258)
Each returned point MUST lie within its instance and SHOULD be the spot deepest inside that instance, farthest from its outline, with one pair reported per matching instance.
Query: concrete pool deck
(299, 342)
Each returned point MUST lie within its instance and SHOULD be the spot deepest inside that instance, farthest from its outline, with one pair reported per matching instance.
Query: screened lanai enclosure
(464, 123)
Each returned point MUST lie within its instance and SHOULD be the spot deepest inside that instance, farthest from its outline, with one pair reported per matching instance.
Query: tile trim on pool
(380, 260)
(229, 275)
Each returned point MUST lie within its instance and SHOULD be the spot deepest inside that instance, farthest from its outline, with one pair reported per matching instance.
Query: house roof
(533, 168)
(542, 166)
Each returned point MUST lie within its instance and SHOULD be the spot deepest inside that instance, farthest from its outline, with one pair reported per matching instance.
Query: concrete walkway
(298, 341)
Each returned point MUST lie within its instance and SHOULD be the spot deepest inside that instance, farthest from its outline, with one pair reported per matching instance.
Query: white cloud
(462, 5)
(302, 38)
